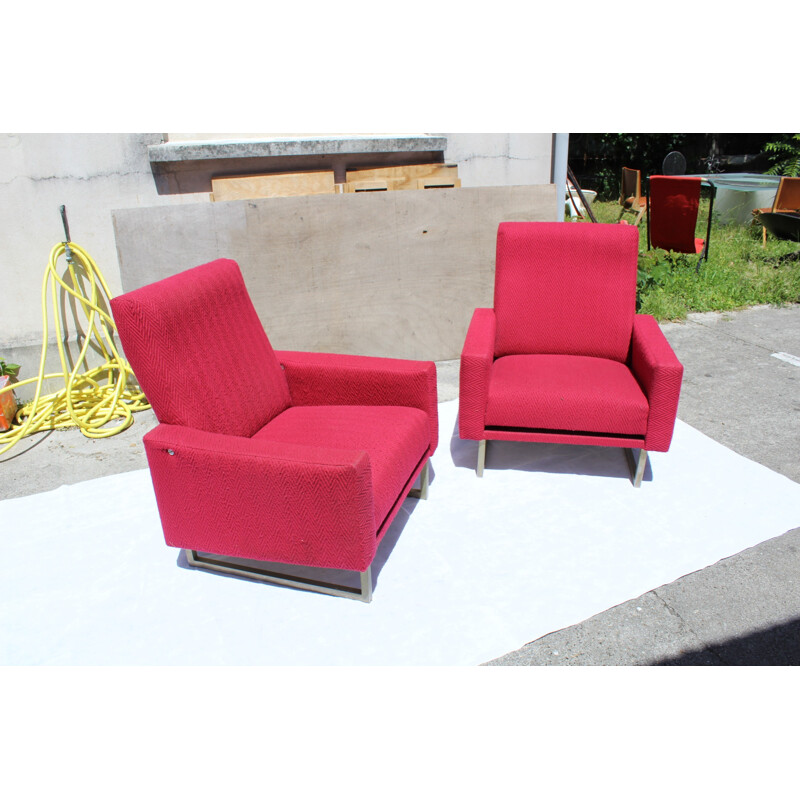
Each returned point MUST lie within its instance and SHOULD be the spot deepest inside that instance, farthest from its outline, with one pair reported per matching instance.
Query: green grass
(739, 272)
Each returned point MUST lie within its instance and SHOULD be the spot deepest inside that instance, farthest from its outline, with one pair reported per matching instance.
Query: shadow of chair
(630, 196)
(673, 204)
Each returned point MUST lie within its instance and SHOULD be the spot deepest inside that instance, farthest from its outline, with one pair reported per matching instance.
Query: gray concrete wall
(89, 174)
(501, 159)
(93, 174)
(393, 274)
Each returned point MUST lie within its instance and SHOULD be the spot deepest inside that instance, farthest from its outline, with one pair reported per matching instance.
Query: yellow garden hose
(90, 399)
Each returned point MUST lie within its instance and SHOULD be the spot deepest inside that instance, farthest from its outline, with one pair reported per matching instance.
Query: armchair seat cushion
(566, 392)
(394, 437)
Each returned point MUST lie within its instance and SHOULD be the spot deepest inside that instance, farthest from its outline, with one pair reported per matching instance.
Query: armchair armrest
(659, 373)
(235, 496)
(477, 357)
(336, 379)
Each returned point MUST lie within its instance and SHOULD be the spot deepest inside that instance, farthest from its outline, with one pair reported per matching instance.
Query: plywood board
(393, 274)
(282, 184)
(366, 186)
(438, 183)
(404, 177)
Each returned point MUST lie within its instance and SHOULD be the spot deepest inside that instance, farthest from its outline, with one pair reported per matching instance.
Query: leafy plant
(12, 370)
(784, 155)
(656, 268)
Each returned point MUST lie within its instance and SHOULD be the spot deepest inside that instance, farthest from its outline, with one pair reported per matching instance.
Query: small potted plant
(8, 403)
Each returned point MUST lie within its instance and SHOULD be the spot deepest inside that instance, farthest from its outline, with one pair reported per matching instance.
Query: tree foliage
(597, 159)
(784, 155)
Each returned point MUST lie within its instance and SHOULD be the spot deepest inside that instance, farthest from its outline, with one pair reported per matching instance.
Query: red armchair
(672, 209)
(562, 356)
(265, 456)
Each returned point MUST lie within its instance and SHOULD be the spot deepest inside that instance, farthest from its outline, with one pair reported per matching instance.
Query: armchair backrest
(787, 198)
(565, 288)
(630, 192)
(199, 351)
(674, 205)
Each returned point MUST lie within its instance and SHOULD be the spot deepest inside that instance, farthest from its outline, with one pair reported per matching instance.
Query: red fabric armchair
(265, 456)
(562, 356)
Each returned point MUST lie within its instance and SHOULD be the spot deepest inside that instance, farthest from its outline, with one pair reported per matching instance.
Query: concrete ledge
(188, 167)
(316, 146)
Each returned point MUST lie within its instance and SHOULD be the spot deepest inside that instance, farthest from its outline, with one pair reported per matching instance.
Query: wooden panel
(366, 186)
(379, 273)
(281, 184)
(438, 183)
(404, 177)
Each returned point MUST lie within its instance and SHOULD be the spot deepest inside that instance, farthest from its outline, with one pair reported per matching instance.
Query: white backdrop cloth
(550, 536)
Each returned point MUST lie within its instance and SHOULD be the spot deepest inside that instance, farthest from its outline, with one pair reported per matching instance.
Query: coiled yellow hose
(90, 399)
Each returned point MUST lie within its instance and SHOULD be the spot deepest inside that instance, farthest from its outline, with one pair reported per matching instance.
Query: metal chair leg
(481, 457)
(366, 585)
(637, 466)
(422, 492)
(215, 564)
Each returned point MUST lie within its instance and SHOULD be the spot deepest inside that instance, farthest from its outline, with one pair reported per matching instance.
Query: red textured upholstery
(674, 204)
(256, 499)
(575, 393)
(395, 438)
(199, 351)
(576, 281)
(659, 373)
(477, 357)
(334, 379)
(303, 461)
(563, 357)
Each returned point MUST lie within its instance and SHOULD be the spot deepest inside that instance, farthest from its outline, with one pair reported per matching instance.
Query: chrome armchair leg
(422, 492)
(637, 466)
(481, 457)
(232, 567)
(366, 584)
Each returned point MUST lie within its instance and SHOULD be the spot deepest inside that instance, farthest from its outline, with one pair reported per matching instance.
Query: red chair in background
(673, 203)
(288, 457)
(562, 356)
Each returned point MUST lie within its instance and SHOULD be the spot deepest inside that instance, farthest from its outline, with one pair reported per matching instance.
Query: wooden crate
(279, 184)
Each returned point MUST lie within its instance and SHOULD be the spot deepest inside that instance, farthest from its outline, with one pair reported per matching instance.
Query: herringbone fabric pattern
(250, 498)
(565, 288)
(336, 379)
(394, 437)
(574, 393)
(199, 351)
(477, 356)
(660, 374)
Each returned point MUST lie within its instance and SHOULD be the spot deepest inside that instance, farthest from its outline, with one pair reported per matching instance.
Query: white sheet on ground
(550, 536)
